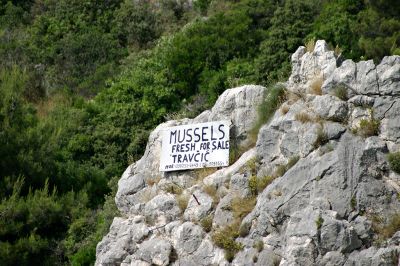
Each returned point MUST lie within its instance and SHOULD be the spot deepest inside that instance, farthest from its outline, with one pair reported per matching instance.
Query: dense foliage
(82, 83)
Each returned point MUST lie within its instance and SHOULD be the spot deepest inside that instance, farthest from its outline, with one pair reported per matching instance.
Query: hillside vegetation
(82, 83)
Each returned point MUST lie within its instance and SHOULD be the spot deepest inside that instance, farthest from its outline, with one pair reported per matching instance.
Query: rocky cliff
(315, 189)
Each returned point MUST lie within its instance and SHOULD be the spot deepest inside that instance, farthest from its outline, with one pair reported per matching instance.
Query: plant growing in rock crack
(385, 230)
(258, 245)
(242, 206)
(316, 85)
(213, 193)
(303, 117)
(353, 202)
(394, 161)
(319, 222)
(182, 201)
(340, 91)
(283, 168)
(368, 127)
(273, 99)
(225, 239)
(174, 189)
(322, 138)
(257, 185)
(206, 223)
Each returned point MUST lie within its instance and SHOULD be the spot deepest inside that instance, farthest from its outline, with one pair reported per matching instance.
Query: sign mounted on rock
(195, 146)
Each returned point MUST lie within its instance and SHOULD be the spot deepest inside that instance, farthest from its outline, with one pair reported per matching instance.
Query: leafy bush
(274, 97)
(394, 161)
(206, 223)
(225, 238)
(341, 92)
(368, 127)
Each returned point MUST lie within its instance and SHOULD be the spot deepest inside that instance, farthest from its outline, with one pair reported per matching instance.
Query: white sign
(195, 146)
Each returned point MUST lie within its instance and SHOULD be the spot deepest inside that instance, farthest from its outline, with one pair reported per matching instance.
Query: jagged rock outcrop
(329, 187)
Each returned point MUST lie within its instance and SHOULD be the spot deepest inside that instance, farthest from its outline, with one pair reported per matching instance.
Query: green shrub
(244, 229)
(394, 161)
(341, 92)
(368, 127)
(319, 222)
(259, 245)
(206, 223)
(257, 185)
(274, 97)
(225, 239)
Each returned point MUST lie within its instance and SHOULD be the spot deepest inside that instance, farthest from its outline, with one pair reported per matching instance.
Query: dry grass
(303, 117)
(322, 138)
(284, 108)
(204, 172)
(182, 201)
(213, 193)
(241, 207)
(316, 85)
(386, 230)
(174, 189)
(153, 180)
(310, 45)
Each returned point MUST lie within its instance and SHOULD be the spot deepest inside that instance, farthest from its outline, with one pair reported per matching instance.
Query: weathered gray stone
(311, 215)
(268, 258)
(246, 257)
(308, 66)
(362, 100)
(188, 238)
(162, 209)
(332, 258)
(337, 235)
(363, 228)
(117, 244)
(333, 130)
(223, 214)
(240, 184)
(389, 75)
(155, 251)
(330, 107)
(194, 211)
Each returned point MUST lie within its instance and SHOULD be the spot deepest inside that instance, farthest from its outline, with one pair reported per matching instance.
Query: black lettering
(189, 135)
(196, 156)
(179, 158)
(213, 145)
(205, 156)
(181, 134)
(212, 133)
(185, 159)
(222, 131)
(203, 134)
(197, 135)
(172, 134)
(174, 156)
(192, 146)
(227, 144)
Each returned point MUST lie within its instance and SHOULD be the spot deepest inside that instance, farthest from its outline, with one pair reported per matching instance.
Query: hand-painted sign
(195, 146)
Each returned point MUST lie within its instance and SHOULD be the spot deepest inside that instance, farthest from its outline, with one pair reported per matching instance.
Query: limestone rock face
(318, 173)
